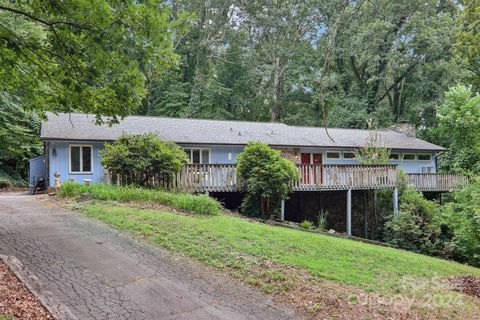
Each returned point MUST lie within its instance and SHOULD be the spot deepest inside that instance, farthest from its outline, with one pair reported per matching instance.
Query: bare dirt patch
(317, 298)
(467, 284)
(16, 301)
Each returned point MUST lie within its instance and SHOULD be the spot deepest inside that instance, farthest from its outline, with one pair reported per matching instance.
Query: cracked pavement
(97, 272)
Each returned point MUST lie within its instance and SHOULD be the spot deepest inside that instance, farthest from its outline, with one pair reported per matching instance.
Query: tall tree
(459, 128)
(80, 55)
(468, 38)
(279, 29)
(391, 59)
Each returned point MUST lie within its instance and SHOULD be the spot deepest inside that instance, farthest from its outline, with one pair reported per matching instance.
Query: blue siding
(218, 154)
(409, 166)
(60, 162)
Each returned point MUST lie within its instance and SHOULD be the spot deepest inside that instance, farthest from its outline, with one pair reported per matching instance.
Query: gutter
(244, 144)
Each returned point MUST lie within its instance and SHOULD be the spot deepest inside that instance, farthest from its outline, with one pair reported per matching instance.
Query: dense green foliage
(18, 140)
(231, 242)
(197, 204)
(80, 55)
(459, 128)
(451, 230)
(413, 227)
(262, 60)
(137, 159)
(266, 178)
(460, 218)
(468, 38)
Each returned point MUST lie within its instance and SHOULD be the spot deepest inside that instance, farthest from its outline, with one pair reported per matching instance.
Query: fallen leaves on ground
(467, 284)
(16, 301)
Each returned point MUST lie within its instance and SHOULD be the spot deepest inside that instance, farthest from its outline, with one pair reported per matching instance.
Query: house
(73, 143)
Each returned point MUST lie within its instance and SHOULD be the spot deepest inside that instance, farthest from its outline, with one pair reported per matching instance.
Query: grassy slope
(226, 240)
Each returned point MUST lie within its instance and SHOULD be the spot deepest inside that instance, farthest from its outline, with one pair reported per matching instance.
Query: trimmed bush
(143, 160)
(198, 204)
(265, 177)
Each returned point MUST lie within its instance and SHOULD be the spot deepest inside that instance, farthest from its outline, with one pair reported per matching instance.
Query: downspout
(47, 162)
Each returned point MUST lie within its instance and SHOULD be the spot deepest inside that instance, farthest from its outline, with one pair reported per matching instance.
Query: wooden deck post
(282, 210)
(349, 212)
(395, 200)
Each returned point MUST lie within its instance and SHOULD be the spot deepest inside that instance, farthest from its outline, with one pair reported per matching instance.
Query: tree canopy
(79, 55)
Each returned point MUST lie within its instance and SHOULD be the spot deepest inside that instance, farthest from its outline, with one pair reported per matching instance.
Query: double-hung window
(198, 155)
(81, 158)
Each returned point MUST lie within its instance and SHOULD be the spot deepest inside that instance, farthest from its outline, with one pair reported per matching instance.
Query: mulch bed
(467, 284)
(16, 301)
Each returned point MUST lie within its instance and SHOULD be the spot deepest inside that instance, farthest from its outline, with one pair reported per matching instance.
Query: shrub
(305, 224)
(265, 177)
(143, 160)
(460, 222)
(198, 204)
(414, 227)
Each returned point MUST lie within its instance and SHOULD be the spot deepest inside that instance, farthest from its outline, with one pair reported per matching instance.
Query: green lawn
(234, 242)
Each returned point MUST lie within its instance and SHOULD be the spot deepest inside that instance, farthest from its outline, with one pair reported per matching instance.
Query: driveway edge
(32, 283)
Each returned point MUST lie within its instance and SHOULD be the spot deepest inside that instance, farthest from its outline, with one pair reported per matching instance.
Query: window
(424, 157)
(394, 156)
(348, 155)
(333, 155)
(80, 159)
(409, 156)
(198, 155)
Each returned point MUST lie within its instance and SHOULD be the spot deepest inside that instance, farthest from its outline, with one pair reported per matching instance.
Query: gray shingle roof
(77, 126)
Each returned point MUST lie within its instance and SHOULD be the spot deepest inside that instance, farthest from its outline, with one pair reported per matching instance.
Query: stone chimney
(404, 127)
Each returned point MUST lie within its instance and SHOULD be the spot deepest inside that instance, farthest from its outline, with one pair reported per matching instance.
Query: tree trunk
(274, 109)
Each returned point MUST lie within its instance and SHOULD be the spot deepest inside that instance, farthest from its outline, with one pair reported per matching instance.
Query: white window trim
(354, 155)
(81, 159)
(399, 156)
(424, 154)
(200, 149)
(414, 156)
(331, 151)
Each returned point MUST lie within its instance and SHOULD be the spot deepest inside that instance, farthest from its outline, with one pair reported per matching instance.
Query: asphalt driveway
(88, 270)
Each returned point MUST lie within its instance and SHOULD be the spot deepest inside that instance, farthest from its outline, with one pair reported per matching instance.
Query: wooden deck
(437, 182)
(223, 177)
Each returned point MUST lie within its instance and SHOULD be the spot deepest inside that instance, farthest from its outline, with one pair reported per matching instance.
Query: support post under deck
(282, 210)
(349, 212)
(395, 200)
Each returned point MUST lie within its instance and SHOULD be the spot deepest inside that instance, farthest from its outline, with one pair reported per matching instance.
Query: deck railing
(223, 177)
(340, 177)
(436, 182)
(207, 177)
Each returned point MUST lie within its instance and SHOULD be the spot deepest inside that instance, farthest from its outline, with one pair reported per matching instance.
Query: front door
(309, 173)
